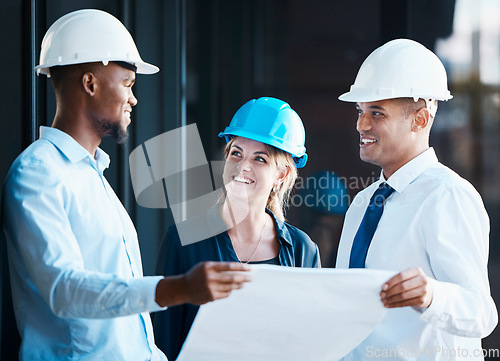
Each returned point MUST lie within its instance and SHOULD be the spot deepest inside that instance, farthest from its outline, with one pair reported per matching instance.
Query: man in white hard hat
(76, 273)
(420, 219)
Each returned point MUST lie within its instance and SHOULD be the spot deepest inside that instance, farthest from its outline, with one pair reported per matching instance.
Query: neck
(80, 129)
(390, 170)
(243, 218)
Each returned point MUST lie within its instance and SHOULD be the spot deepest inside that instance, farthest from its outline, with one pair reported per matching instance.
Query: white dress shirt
(434, 220)
(76, 272)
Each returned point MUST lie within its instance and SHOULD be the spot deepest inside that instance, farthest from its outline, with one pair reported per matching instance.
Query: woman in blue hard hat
(265, 146)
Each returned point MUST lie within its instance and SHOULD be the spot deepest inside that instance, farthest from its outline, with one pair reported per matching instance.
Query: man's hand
(408, 288)
(205, 282)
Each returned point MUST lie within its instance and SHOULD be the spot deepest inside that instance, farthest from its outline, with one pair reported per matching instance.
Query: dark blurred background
(215, 55)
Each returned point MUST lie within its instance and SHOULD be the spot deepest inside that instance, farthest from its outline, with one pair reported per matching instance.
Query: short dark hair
(57, 74)
(60, 74)
(410, 105)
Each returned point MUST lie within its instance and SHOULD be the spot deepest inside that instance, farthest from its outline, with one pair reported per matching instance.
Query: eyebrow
(375, 107)
(258, 152)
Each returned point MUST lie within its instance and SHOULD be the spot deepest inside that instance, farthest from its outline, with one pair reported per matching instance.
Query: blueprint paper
(291, 314)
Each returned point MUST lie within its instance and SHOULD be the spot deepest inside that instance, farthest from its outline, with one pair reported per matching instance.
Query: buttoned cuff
(144, 294)
(443, 316)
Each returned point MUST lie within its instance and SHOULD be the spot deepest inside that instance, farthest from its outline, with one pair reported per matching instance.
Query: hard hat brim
(142, 67)
(360, 95)
(299, 157)
(146, 68)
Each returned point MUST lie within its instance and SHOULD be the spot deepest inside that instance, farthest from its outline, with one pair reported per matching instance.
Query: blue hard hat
(273, 122)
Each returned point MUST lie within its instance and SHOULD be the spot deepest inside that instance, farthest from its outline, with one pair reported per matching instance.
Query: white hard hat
(401, 68)
(86, 36)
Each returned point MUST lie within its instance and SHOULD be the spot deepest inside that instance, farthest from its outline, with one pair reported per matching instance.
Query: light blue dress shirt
(76, 272)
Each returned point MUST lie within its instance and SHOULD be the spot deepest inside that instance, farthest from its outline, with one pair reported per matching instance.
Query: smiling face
(249, 173)
(386, 135)
(113, 101)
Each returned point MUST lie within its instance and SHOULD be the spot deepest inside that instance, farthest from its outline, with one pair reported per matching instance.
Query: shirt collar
(411, 170)
(102, 159)
(282, 230)
(72, 149)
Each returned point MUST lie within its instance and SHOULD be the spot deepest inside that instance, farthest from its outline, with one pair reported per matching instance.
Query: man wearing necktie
(420, 219)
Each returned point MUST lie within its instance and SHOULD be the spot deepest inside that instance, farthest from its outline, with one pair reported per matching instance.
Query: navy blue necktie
(368, 226)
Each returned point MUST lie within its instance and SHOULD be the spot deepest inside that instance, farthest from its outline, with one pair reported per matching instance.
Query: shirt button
(141, 304)
(103, 308)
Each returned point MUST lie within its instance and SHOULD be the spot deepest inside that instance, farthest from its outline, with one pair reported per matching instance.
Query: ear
(283, 173)
(421, 120)
(89, 83)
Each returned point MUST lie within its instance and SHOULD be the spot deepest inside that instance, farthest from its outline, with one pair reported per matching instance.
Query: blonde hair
(279, 197)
